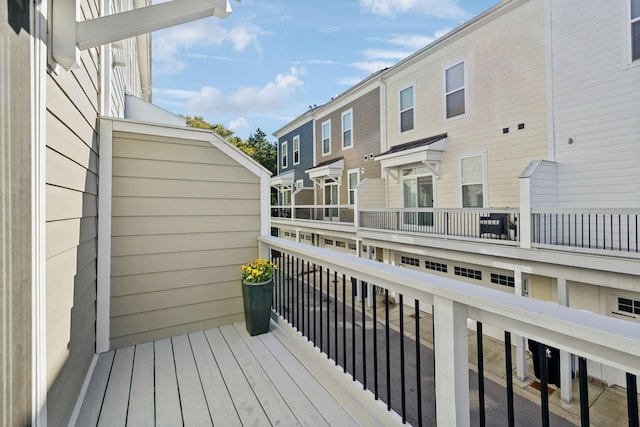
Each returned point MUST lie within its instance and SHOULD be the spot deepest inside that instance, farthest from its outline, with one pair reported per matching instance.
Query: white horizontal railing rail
(598, 338)
(335, 213)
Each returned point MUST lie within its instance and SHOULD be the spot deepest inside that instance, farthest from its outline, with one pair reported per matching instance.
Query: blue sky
(268, 61)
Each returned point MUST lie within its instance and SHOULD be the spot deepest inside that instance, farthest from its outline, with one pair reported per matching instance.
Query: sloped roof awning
(284, 181)
(331, 170)
(428, 151)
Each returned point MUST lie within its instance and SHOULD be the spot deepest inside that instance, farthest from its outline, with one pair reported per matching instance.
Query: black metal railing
(594, 229)
(466, 223)
(372, 343)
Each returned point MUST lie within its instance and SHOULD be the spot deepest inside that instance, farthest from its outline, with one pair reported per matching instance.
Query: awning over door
(428, 151)
(283, 181)
(330, 170)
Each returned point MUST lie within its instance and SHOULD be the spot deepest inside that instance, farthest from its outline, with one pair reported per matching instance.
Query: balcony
(343, 350)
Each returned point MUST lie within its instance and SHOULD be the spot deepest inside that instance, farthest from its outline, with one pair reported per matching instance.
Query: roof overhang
(429, 155)
(284, 181)
(332, 171)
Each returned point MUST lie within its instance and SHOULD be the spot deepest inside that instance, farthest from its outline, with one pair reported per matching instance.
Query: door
(418, 193)
(331, 198)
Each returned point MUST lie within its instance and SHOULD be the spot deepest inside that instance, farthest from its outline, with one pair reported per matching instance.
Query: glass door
(417, 191)
(331, 198)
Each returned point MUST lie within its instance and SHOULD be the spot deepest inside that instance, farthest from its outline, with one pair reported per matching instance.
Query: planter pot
(257, 306)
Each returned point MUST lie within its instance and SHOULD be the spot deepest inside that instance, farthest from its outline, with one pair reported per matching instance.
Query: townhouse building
(508, 158)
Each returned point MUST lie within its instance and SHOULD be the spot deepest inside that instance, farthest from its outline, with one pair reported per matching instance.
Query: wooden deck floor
(225, 377)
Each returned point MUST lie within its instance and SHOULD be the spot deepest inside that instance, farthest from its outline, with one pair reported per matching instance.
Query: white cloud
(443, 9)
(385, 54)
(238, 124)
(372, 66)
(244, 101)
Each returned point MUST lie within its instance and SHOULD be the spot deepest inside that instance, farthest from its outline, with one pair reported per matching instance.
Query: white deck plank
(245, 401)
(90, 410)
(195, 411)
(267, 393)
(116, 398)
(299, 402)
(141, 406)
(168, 412)
(327, 405)
(221, 406)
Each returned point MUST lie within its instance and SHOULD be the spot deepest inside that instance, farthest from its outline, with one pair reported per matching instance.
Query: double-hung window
(296, 150)
(326, 138)
(347, 129)
(472, 181)
(283, 154)
(406, 109)
(455, 91)
(635, 29)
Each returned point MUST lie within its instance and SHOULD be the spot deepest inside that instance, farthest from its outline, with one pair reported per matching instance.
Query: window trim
(349, 189)
(629, 39)
(284, 158)
(298, 184)
(465, 87)
(344, 113)
(296, 139)
(400, 111)
(485, 190)
(322, 136)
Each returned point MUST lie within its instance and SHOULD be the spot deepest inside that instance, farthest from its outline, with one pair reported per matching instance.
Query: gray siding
(73, 105)
(185, 216)
(15, 218)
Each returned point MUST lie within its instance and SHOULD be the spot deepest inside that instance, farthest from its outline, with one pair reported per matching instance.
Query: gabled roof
(413, 144)
(428, 151)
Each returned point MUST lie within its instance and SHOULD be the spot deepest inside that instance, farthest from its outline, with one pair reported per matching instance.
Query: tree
(257, 146)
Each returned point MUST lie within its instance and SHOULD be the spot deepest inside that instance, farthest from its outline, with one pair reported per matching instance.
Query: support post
(521, 348)
(566, 380)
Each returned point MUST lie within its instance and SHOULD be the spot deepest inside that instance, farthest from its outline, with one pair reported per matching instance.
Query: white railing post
(524, 224)
(521, 348)
(566, 382)
(451, 354)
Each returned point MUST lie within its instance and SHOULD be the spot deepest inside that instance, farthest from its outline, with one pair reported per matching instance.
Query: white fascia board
(408, 157)
(329, 171)
(283, 180)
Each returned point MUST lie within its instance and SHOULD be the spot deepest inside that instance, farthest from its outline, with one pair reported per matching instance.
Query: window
(626, 307)
(352, 246)
(328, 242)
(406, 109)
(340, 244)
(405, 260)
(501, 279)
(286, 198)
(296, 150)
(467, 272)
(347, 137)
(326, 138)
(436, 266)
(454, 90)
(298, 184)
(353, 183)
(472, 181)
(417, 192)
(283, 154)
(635, 30)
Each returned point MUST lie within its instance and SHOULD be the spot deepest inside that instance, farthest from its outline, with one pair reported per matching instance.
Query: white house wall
(596, 101)
(505, 65)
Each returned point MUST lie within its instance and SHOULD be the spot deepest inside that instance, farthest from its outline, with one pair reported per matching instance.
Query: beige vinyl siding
(505, 67)
(371, 193)
(71, 236)
(185, 216)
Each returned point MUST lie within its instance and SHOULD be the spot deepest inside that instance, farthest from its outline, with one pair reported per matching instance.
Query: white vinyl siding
(635, 29)
(296, 149)
(407, 111)
(347, 129)
(284, 155)
(455, 90)
(472, 185)
(326, 137)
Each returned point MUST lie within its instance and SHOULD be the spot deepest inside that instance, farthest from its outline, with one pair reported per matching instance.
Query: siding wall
(15, 215)
(365, 136)
(73, 106)
(599, 106)
(505, 67)
(184, 218)
(305, 132)
(371, 193)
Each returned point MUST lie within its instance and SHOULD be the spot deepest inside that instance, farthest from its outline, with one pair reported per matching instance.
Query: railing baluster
(509, 378)
(353, 327)
(479, 341)
(344, 323)
(375, 341)
(584, 392)
(320, 309)
(388, 354)
(302, 297)
(309, 300)
(328, 314)
(335, 314)
(418, 367)
(632, 400)
(364, 334)
(402, 377)
(296, 295)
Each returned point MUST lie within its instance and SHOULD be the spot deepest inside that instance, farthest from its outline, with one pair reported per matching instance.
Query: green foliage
(257, 146)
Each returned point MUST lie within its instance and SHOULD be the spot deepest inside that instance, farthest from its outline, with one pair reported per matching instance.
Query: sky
(270, 60)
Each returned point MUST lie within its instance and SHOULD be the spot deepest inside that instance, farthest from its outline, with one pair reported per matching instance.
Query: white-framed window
(283, 154)
(353, 176)
(326, 137)
(286, 198)
(626, 306)
(455, 91)
(407, 110)
(298, 184)
(472, 180)
(347, 129)
(634, 29)
(296, 149)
